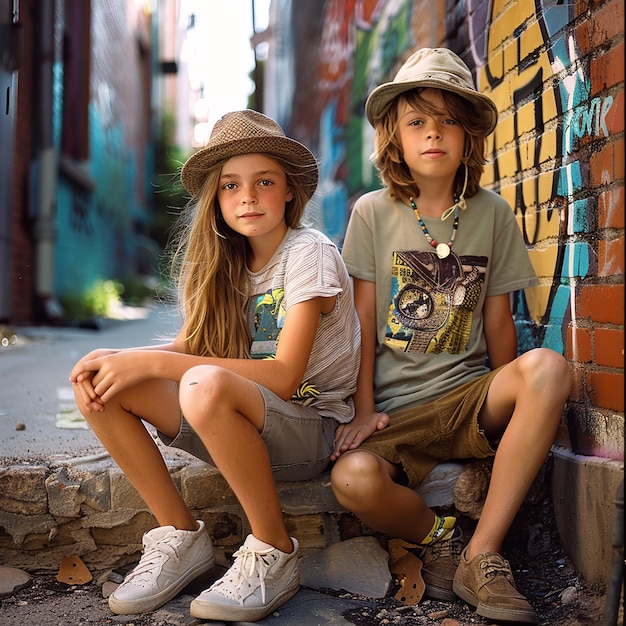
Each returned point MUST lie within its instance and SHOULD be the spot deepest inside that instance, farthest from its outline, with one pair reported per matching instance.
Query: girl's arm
(114, 372)
(366, 419)
(499, 329)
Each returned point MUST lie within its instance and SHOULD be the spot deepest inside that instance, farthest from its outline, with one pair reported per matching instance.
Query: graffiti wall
(101, 215)
(555, 70)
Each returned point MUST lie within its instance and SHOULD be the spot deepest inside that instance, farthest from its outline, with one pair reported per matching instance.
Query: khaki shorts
(422, 436)
(298, 440)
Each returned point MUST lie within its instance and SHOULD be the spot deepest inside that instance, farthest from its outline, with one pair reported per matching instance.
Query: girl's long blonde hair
(389, 159)
(209, 268)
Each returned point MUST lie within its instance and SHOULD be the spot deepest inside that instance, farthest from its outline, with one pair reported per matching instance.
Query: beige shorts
(299, 441)
(422, 436)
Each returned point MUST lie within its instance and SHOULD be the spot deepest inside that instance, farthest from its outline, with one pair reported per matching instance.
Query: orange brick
(607, 164)
(607, 70)
(604, 24)
(614, 118)
(602, 303)
(578, 347)
(611, 257)
(606, 390)
(611, 208)
(609, 347)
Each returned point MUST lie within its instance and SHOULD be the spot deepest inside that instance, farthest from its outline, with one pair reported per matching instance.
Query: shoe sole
(151, 603)
(440, 593)
(238, 613)
(507, 615)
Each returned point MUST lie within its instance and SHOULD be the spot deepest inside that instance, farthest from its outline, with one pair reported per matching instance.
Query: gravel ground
(542, 571)
(547, 579)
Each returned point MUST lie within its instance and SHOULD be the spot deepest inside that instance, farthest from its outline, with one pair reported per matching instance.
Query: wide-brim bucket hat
(438, 68)
(248, 132)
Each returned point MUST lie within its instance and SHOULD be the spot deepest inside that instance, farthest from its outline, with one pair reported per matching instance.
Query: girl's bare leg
(120, 429)
(227, 412)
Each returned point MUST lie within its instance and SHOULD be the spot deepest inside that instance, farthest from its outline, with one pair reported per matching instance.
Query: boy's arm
(499, 329)
(366, 419)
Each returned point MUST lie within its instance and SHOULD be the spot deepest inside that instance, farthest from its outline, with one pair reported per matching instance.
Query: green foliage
(100, 300)
(169, 194)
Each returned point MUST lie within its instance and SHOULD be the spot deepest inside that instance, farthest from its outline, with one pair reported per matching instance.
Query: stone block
(310, 496)
(96, 490)
(309, 530)
(64, 497)
(203, 487)
(225, 529)
(23, 489)
(584, 490)
(123, 494)
(18, 527)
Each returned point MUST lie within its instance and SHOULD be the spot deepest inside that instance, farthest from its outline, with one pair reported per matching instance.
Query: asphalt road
(38, 417)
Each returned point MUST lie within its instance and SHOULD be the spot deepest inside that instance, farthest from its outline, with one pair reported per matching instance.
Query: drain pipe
(46, 173)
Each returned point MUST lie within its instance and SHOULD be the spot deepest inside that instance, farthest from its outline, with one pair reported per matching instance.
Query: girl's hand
(104, 373)
(350, 436)
(81, 378)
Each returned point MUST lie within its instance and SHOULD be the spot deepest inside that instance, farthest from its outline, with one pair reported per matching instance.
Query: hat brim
(194, 171)
(379, 100)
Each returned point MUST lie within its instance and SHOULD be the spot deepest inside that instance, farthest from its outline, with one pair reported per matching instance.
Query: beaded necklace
(442, 249)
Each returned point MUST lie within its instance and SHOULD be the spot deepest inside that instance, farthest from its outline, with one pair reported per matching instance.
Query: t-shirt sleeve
(511, 268)
(312, 270)
(358, 250)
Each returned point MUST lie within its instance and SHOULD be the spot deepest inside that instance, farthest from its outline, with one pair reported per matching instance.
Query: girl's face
(432, 143)
(252, 193)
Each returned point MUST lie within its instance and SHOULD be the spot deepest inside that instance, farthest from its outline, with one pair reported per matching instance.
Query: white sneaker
(171, 559)
(261, 579)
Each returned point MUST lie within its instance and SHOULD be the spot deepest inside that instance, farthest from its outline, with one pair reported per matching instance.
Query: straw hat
(246, 132)
(438, 68)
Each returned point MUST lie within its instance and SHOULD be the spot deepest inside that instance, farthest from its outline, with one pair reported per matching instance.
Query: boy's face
(432, 143)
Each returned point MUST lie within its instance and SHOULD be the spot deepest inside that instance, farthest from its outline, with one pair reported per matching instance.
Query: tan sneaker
(487, 583)
(439, 562)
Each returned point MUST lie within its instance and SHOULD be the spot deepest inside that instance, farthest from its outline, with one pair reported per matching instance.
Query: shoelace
(155, 550)
(496, 566)
(247, 564)
(448, 547)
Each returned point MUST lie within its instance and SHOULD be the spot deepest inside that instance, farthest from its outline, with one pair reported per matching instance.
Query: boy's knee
(353, 475)
(544, 366)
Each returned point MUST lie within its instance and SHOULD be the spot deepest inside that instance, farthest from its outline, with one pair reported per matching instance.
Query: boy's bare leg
(535, 386)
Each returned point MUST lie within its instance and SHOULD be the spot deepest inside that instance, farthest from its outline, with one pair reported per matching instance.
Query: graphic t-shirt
(307, 265)
(429, 311)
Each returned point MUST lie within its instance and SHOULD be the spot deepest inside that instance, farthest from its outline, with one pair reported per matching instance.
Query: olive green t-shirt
(429, 311)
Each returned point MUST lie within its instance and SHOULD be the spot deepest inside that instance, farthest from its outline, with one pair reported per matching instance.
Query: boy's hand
(350, 436)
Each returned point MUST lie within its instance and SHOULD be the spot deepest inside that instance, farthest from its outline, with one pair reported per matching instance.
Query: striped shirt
(307, 265)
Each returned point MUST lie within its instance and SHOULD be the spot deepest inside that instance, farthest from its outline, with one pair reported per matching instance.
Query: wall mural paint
(557, 118)
(541, 86)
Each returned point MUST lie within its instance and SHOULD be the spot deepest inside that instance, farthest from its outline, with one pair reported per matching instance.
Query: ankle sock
(442, 529)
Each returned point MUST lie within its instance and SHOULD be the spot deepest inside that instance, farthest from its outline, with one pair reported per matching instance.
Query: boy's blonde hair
(388, 156)
(209, 267)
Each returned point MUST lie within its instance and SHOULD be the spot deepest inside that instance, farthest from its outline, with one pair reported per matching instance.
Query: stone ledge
(90, 509)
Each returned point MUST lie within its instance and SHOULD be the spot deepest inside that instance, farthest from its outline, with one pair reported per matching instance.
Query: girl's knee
(201, 389)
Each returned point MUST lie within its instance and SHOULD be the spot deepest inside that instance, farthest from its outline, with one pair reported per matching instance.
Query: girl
(434, 259)
(256, 382)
